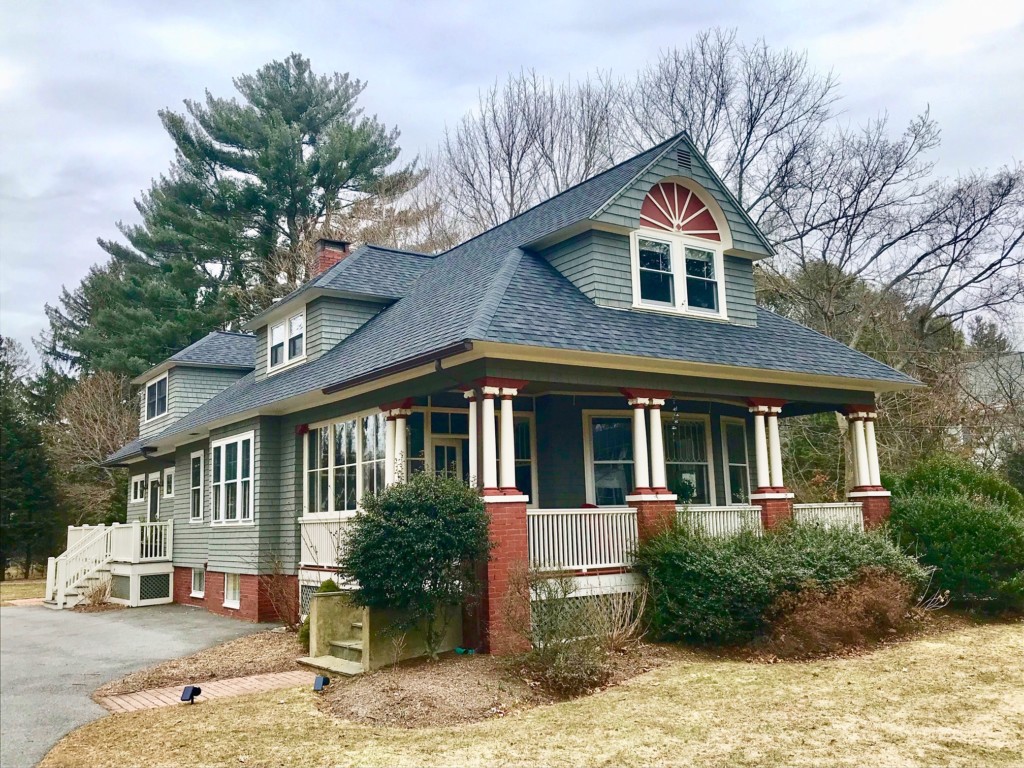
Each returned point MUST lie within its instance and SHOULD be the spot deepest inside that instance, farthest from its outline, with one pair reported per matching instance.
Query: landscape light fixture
(190, 693)
(321, 682)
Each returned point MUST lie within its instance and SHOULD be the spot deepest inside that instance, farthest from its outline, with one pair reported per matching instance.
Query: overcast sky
(81, 83)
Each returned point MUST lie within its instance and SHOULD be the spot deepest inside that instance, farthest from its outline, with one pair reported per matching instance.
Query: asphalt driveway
(52, 661)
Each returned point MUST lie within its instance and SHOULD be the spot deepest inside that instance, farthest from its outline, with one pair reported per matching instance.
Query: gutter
(413, 362)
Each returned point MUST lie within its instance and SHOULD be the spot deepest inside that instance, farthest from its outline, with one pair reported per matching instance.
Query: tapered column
(657, 447)
(389, 451)
(761, 449)
(401, 445)
(860, 452)
(473, 476)
(508, 443)
(641, 475)
(874, 473)
(775, 448)
(490, 455)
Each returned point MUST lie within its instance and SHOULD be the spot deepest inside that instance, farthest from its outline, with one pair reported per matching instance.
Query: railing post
(136, 541)
(51, 575)
(169, 550)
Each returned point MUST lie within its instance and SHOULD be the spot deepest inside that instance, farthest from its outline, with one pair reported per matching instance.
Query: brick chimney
(329, 253)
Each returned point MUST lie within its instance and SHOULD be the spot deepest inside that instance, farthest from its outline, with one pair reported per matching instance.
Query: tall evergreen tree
(253, 181)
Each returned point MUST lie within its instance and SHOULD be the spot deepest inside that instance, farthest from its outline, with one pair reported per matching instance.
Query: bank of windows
(673, 274)
(231, 481)
(156, 398)
(688, 467)
(344, 460)
(287, 341)
(195, 491)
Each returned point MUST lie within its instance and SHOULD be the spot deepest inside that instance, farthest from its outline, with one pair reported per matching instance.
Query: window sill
(231, 523)
(285, 366)
(163, 415)
(198, 595)
(195, 521)
(233, 606)
(666, 310)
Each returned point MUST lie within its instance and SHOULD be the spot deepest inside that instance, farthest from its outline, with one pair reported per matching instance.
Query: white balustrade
(839, 515)
(581, 539)
(322, 540)
(721, 521)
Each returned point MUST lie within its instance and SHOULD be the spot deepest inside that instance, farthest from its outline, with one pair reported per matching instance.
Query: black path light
(321, 682)
(190, 693)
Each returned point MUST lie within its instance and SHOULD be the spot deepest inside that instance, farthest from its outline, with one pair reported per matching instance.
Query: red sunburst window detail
(675, 208)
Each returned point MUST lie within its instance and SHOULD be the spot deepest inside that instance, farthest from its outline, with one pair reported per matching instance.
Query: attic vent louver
(683, 159)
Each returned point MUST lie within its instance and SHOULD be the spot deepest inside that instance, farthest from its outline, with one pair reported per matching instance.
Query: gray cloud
(80, 85)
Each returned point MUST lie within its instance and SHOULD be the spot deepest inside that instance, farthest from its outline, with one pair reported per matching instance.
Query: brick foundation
(255, 603)
(774, 512)
(876, 510)
(509, 554)
(653, 517)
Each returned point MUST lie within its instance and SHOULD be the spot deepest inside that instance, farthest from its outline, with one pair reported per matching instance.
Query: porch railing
(322, 540)
(581, 539)
(139, 542)
(840, 515)
(721, 521)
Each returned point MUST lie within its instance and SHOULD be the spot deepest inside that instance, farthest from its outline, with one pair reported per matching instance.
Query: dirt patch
(270, 651)
(462, 689)
(98, 607)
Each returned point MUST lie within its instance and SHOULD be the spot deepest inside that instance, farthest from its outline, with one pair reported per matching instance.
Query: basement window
(198, 582)
(232, 590)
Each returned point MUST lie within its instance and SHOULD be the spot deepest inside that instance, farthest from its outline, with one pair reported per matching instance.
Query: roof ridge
(400, 250)
(231, 333)
(491, 299)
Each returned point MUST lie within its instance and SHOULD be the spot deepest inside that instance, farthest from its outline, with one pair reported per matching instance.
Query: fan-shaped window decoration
(674, 208)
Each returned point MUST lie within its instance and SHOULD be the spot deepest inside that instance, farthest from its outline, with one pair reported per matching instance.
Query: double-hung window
(687, 459)
(344, 460)
(734, 449)
(287, 341)
(232, 590)
(195, 496)
(231, 487)
(677, 273)
(198, 583)
(139, 488)
(156, 398)
(611, 446)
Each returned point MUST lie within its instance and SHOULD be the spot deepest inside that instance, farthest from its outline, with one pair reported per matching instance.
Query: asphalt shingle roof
(134, 448)
(489, 289)
(220, 348)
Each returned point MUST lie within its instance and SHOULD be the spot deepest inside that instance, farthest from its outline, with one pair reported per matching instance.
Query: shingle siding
(191, 540)
(235, 547)
(187, 388)
(329, 321)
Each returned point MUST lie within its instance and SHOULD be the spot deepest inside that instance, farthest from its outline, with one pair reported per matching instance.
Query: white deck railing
(581, 539)
(322, 540)
(721, 521)
(841, 515)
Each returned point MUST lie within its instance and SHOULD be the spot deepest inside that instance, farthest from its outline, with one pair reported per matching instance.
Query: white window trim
(234, 604)
(678, 244)
(201, 593)
(138, 482)
(169, 472)
(534, 502)
(220, 443)
(727, 465)
(202, 480)
(331, 513)
(145, 400)
(284, 321)
(666, 416)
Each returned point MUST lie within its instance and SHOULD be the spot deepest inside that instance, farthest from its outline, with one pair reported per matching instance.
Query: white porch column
(658, 481)
(473, 476)
(508, 442)
(761, 448)
(389, 451)
(875, 474)
(490, 458)
(641, 465)
(860, 453)
(401, 445)
(775, 447)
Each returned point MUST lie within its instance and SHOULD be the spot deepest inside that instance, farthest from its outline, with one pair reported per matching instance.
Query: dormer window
(677, 254)
(156, 398)
(287, 341)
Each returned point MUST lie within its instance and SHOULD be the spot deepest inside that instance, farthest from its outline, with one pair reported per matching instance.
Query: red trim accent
(511, 491)
(656, 394)
(301, 429)
(407, 403)
(858, 409)
(493, 381)
(766, 402)
(491, 492)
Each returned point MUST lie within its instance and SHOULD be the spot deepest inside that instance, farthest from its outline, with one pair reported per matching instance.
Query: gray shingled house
(596, 366)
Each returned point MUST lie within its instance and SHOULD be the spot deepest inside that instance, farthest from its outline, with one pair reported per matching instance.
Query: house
(596, 366)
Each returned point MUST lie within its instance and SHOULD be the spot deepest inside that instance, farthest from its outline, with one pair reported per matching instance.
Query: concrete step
(332, 664)
(357, 625)
(350, 650)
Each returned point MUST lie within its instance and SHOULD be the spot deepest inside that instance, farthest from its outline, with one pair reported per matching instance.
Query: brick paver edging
(213, 689)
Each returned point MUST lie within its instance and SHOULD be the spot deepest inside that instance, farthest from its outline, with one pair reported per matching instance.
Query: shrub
(954, 477)
(975, 544)
(414, 550)
(814, 621)
(327, 585)
(719, 590)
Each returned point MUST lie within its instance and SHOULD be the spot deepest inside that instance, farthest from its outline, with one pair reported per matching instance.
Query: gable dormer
(672, 240)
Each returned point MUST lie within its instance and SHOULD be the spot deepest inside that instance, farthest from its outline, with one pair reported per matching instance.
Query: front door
(154, 498)
(447, 455)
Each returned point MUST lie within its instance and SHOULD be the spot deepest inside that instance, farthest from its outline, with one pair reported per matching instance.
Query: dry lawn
(21, 589)
(270, 651)
(952, 699)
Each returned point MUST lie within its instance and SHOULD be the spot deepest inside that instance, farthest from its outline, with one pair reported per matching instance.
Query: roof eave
(276, 311)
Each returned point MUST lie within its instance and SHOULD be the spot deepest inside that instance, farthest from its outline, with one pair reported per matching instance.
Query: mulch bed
(461, 689)
(98, 608)
(270, 651)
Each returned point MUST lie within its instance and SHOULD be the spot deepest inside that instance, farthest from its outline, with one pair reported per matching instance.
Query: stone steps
(332, 664)
(350, 650)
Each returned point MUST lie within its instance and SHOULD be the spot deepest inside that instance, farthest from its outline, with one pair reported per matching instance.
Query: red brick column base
(510, 555)
(653, 516)
(776, 507)
(875, 508)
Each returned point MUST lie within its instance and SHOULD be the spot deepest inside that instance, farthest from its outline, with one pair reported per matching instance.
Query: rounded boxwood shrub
(975, 544)
(719, 590)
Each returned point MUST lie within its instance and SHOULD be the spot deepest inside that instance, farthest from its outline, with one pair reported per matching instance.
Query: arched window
(677, 253)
